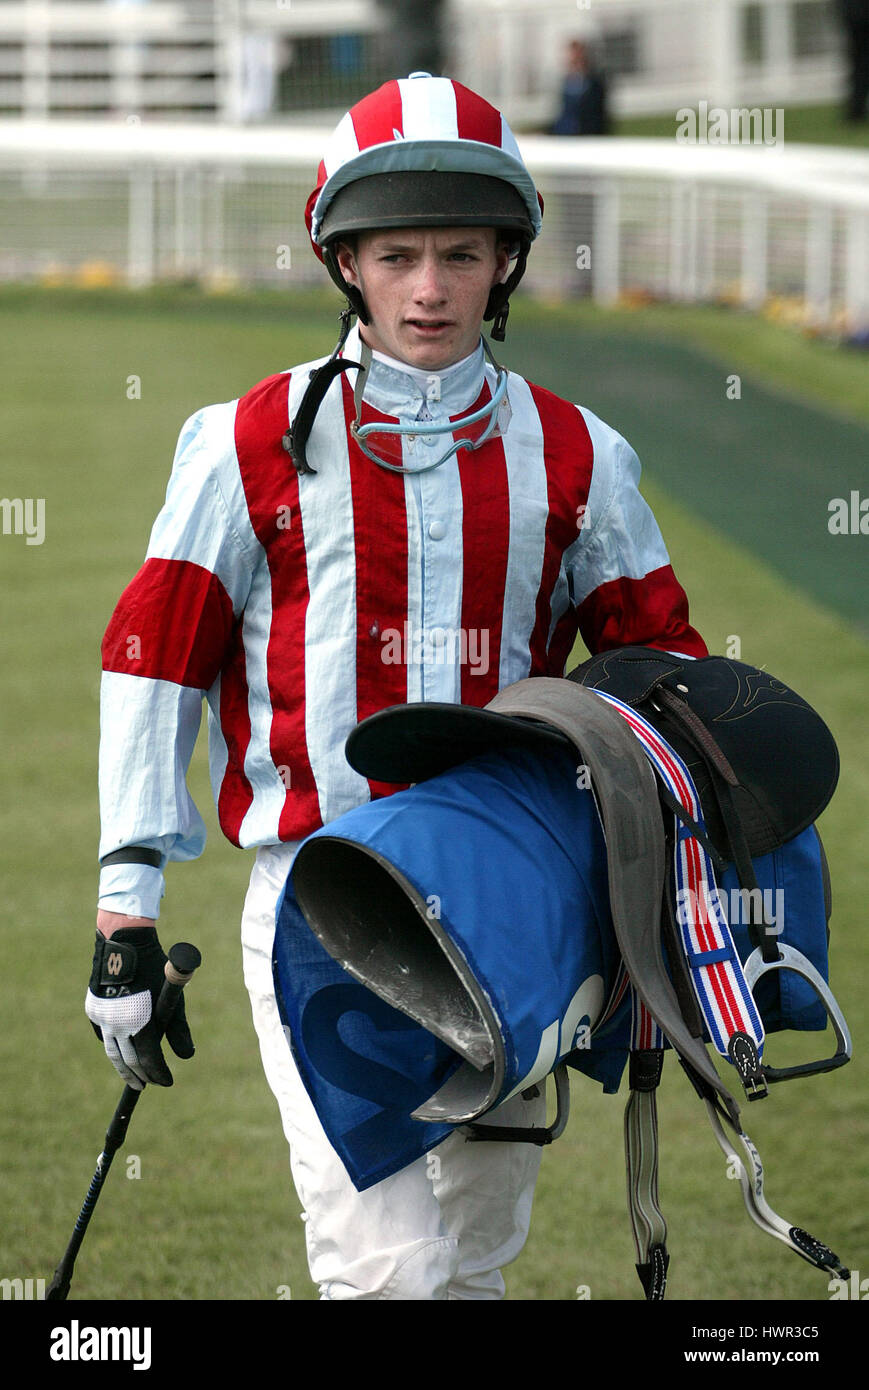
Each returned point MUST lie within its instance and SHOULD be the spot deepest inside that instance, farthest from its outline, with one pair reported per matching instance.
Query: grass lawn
(211, 1213)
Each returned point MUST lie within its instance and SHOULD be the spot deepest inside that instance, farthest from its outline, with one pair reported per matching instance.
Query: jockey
(405, 520)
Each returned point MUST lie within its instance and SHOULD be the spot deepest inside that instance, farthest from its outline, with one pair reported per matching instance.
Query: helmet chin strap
(426, 429)
(295, 439)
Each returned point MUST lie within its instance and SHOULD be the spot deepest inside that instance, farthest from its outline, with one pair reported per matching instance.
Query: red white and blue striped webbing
(716, 970)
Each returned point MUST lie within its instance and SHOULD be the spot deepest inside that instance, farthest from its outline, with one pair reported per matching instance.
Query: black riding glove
(126, 980)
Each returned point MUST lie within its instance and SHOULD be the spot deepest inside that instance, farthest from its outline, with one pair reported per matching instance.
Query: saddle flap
(725, 717)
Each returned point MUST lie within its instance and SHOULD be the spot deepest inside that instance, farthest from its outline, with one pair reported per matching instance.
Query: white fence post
(189, 241)
(819, 265)
(777, 39)
(228, 33)
(214, 237)
(126, 75)
(722, 36)
(606, 250)
(684, 240)
(754, 249)
(706, 240)
(857, 269)
(141, 251)
(36, 73)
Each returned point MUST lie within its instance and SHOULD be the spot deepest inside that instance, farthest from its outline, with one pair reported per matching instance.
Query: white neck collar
(398, 389)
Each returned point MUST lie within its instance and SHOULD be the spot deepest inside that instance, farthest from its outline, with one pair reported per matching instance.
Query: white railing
(220, 58)
(664, 54)
(224, 58)
(67, 57)
(740, 224)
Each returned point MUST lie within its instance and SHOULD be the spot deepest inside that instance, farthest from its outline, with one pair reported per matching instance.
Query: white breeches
(441, 1228)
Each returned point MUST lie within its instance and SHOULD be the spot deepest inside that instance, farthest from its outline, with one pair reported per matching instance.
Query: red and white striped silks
(298, 606)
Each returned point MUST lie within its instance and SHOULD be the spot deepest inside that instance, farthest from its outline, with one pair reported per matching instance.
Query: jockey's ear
(345, 254)
(505, 250)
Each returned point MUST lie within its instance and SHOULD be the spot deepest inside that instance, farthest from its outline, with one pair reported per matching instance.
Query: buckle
(743, 1054)
(791, 959)
(653, 1274)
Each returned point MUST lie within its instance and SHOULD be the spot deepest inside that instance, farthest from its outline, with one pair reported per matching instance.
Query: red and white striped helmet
(423, 151)
(420, 123)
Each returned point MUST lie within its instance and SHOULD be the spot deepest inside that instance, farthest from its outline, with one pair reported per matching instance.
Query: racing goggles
(422, 436)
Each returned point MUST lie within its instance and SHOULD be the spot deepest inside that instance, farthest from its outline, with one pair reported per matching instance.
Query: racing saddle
(699, 769)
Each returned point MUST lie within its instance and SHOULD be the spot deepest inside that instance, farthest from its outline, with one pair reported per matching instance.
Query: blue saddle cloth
(509, 849)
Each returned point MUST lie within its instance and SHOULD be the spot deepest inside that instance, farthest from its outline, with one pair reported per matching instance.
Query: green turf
(756, 462)
(800, 367)
(213, 1214)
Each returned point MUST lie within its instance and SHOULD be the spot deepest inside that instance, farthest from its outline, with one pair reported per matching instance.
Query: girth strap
(641, 1167)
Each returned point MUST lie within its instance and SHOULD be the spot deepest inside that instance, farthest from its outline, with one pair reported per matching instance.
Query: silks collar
(423, 425)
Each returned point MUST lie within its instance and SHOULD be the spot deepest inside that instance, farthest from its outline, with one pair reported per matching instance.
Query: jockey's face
(426, 289)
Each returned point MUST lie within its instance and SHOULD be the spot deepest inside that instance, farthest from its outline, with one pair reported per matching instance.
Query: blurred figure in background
(855, 18)
(583, 112)
(414, 36)
(583, 95)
